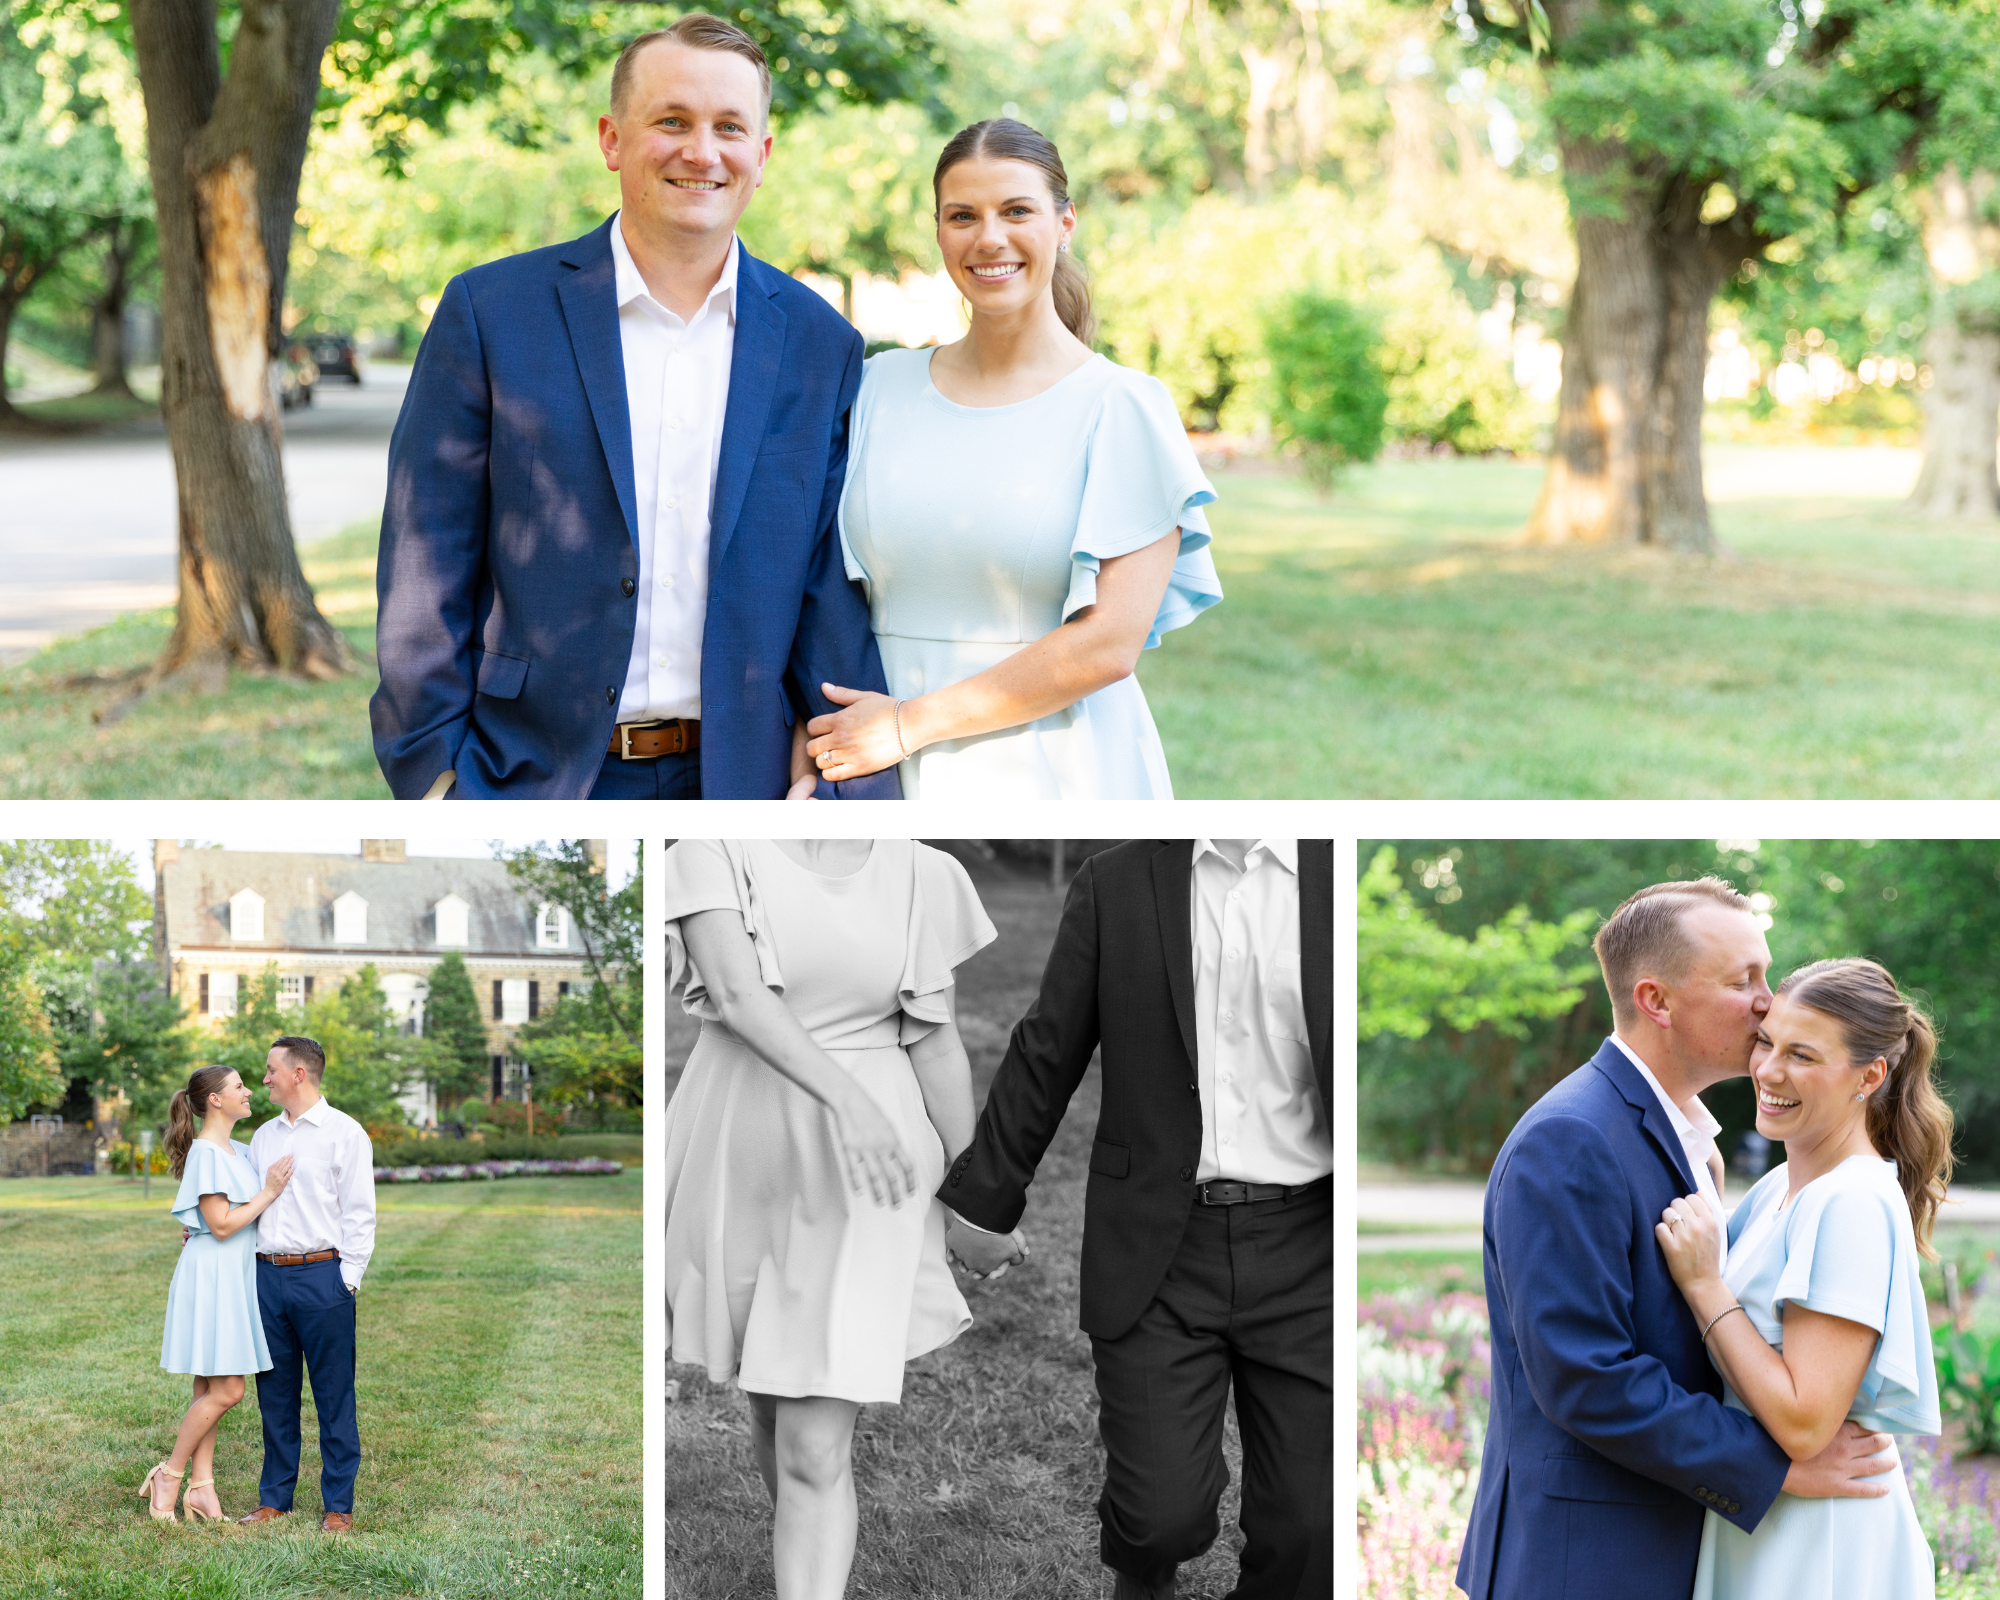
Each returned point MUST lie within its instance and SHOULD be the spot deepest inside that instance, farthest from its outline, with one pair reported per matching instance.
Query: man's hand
(804, 774)
(1849, 1468)
(984, 1255)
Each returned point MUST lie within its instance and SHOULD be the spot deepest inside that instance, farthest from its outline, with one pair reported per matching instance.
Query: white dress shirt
(1262, 1120)
(1697, 1129)
(330, 1202)
(676, 392)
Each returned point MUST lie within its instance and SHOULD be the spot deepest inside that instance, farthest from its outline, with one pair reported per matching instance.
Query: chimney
(382, 850)
(165, 850)
(599, 852)
(165, 853)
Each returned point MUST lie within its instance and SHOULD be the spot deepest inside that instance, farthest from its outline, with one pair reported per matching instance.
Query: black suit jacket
(1121, 975)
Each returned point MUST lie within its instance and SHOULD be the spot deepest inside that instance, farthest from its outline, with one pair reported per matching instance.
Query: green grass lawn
(1394, 640)
(499, 1362)
(984, 1481)
(1432, 1271)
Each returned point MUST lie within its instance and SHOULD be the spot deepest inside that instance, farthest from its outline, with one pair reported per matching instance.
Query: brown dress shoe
(263, 1514)
(335, 1522)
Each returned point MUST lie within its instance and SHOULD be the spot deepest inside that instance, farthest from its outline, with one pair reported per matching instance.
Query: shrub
(1327, 391)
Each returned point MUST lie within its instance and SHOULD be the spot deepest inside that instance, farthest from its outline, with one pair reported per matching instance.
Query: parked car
(334, 354)
(300, 374)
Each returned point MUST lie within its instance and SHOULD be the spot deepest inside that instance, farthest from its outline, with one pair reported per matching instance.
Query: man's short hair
(1646, 937)
(697, 31)
(305, 1053)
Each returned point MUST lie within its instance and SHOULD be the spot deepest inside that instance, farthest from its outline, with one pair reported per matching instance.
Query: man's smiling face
(690, 141)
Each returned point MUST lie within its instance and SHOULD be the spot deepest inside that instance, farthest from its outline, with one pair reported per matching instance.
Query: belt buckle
(624, 742)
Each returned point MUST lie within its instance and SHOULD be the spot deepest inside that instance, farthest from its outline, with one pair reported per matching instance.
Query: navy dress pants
(309, 1325)
(1247, 1305)
(661, 778)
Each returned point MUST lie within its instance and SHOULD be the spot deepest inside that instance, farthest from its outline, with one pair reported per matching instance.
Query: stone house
(221, 916)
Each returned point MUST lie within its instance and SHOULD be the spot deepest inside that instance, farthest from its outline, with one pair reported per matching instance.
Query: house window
(246, 915)
(454, 923)
(514, 1000)
(292, 992)
(350, 919)
(499, 1070)
(220, 991)
(552, 928)
(534, 998)
(562, 989)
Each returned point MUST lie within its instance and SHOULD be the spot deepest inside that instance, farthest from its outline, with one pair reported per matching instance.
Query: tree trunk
(8, 301)
(1626, 466)
(107, 311)
(225, 157)
(1962, 405)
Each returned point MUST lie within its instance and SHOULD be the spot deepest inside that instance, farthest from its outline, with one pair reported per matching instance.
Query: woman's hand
(804, 778)
(1690, 1235)
(877, 1163)
(277, 1175)
(855, 741)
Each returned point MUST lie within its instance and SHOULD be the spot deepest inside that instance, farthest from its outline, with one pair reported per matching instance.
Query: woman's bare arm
(944, 1076)
(224, 1219)
(720, 948)
(1801, 1393)
(1096, 647)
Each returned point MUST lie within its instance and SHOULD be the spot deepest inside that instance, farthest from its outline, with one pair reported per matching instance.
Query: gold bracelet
(1712, 1321)
(896, 716)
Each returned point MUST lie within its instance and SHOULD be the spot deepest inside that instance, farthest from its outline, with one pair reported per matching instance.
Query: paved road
(89, 525)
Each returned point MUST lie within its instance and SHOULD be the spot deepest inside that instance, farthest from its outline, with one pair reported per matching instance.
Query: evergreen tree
(453, 1024)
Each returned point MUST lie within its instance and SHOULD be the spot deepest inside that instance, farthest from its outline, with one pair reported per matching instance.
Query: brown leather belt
(1227, 1192)
(300, 1261)
(646, 741)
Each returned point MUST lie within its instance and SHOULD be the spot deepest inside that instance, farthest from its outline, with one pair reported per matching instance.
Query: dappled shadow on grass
(498, 1390)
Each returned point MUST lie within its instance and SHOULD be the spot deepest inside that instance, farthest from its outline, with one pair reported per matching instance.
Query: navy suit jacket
(1608, 1435)
(510, 557)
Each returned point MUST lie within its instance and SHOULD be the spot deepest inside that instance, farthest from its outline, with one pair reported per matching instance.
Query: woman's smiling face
(1000, 230)
(232, 1099)
(1806, 1083)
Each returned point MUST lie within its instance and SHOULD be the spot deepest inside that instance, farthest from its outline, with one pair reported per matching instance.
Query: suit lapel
(1173, 865)
(1316, 957)
(1615, 1065)
(589, 298)
(753, 379)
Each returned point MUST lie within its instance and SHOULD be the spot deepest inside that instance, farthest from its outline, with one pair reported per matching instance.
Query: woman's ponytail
(1908, 1120)
(1071, 289)
(186, 1110)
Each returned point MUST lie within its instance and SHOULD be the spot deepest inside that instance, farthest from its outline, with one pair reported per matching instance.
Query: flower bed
(486, 1171)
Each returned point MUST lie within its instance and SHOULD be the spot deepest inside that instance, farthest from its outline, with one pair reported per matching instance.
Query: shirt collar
(632, 286)
(1699, 1121)
(1283, 851)
(314, 1115)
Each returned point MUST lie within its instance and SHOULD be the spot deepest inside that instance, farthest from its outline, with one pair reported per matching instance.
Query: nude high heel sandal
(194, 1512)
(146, 1491)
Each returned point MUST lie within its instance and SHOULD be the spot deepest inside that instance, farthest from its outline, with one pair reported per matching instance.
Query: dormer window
(454, 923)
(350, 919)
(552, 928)
(246, 915)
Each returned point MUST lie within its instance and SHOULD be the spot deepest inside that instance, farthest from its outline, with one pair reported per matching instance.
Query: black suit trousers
(1247, 1303)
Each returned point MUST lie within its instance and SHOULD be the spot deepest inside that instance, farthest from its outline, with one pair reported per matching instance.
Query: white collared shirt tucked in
(676, 392)
(1697, 1131)
(1262, 1120)
(330, 1202)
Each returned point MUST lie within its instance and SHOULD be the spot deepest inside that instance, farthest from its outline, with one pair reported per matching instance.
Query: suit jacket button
(627, 587)
(1701, 1493)
(1734, 1508)
(610, 695)
(1187, 1174)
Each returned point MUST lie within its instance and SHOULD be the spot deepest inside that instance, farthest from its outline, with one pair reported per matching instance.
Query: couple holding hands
(824, 1158)
(653, 530)
(1683, 1404)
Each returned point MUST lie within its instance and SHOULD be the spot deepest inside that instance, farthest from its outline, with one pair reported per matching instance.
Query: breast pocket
(1282, 998)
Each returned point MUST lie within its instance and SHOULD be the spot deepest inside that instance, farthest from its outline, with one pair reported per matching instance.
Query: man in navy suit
(609, 566)
(1608, 1435)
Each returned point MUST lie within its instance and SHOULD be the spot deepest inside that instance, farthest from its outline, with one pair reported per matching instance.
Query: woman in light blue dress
(1024, 515)
(213, 1330)
(1819, 1315)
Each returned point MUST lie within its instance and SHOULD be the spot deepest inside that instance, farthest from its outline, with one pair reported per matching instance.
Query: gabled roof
(299, 891)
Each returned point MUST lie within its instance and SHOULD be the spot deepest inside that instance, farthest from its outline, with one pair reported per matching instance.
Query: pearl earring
(1064, 247)
(1861, 1097)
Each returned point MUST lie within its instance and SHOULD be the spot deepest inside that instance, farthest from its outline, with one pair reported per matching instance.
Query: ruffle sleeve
(948, 926)
(209, 1170)
(1141, 480)
(1846, 1256)
(711, 875)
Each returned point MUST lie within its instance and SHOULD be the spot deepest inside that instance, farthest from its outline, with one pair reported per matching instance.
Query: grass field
(1431, 1271)
(984, 1481)
(1395, 640)
(499, 1362)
